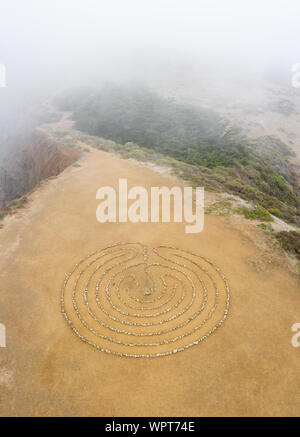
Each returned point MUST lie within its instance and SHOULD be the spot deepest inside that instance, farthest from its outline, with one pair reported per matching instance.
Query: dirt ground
(247, 368)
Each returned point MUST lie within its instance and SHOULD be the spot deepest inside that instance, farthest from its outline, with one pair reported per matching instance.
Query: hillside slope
(39, 158)
(247, 368)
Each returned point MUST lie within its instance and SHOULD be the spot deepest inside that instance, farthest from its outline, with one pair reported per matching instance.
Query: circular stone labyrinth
(128, 301)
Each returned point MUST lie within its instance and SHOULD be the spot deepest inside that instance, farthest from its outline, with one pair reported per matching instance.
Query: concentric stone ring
(128, 301)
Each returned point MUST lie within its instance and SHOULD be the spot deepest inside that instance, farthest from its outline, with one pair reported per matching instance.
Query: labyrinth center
(133, 301)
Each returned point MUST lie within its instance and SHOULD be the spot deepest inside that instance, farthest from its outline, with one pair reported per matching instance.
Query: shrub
(3, 214)
(267, 227)
(290, 241)
(275, 211)
(256, 213)
(221, 207)
(21, 202)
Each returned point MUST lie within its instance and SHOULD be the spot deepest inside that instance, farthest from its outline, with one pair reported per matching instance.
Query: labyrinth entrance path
(139, 319)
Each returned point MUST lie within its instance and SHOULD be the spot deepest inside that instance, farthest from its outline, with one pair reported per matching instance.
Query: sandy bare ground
(248, 367)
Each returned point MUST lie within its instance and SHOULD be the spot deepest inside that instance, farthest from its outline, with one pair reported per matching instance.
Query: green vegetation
(11, 207)
(221, 207)
(256, 213)
(20, 203)
(275, 211)
(266, 227)
(3, 213)
(195, 142)
(290, 241)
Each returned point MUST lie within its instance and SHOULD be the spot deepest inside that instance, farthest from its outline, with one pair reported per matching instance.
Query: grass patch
(266, 227)
(290, 241)
(256, 213)
(3, 214)
(221, 207)
(276, 211)
(11, 207)
(20, 203)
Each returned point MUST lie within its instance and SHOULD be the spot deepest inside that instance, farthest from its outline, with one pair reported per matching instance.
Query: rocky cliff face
(40, 158)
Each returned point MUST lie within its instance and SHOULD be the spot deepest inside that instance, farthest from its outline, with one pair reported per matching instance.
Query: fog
(51, 44)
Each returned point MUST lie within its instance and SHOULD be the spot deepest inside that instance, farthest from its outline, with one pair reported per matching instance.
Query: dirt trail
(248, 367)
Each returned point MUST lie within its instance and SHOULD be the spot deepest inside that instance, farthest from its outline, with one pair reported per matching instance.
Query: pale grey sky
(64, 37)
(50, 44)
